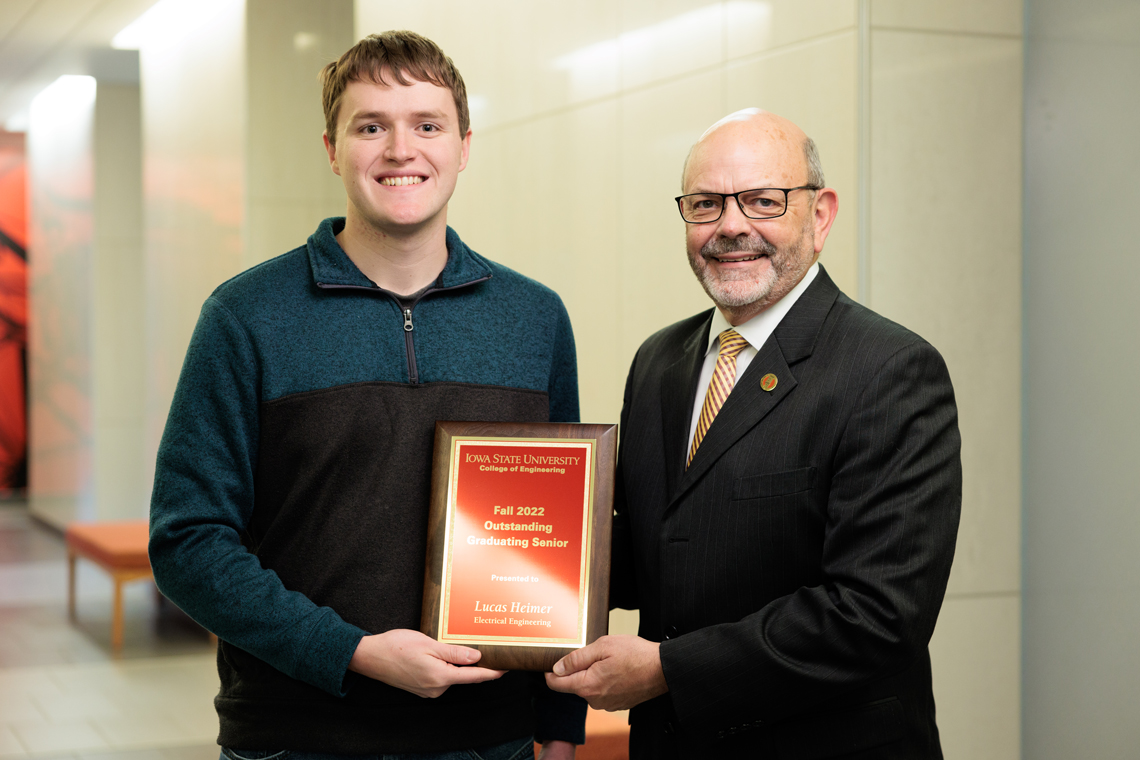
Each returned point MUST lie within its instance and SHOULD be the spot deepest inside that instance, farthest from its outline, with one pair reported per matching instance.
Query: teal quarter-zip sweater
(291, 493)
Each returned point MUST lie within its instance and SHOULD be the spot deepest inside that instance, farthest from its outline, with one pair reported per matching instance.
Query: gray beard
(735, 290)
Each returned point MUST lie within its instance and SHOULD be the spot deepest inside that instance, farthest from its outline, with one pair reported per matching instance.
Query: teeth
(400, 181)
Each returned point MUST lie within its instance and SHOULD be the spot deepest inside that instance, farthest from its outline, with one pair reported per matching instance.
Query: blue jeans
(516, 749)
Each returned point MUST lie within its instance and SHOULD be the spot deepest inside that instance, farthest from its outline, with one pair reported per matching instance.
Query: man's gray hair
(814, 166)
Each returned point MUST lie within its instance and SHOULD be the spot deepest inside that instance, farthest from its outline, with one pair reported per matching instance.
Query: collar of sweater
(331, 266)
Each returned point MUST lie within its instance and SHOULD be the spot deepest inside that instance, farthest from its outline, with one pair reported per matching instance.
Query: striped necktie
(723, 378)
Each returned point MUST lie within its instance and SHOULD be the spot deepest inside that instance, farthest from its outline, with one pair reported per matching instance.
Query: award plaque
(518, 555)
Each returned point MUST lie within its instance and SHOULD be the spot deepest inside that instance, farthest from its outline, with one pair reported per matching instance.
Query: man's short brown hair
(403, 54)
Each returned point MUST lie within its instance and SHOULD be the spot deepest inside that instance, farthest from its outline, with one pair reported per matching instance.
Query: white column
(60, 244)
(234, 168)
(1082, 270)
(118, 324)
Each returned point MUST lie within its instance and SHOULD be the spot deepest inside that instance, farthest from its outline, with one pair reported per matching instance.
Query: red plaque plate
(519, 539)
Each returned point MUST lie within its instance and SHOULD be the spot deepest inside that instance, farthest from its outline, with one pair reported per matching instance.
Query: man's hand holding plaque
(613, 673)
(411, 661)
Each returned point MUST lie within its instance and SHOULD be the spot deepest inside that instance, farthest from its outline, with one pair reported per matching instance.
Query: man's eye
(430, 128)
(706, 204)
(371, 129)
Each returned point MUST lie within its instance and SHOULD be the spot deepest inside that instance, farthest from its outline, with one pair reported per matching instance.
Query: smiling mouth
(401, 181)
(726, 260)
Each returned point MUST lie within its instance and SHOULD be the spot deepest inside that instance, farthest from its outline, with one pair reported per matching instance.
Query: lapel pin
(768, 382)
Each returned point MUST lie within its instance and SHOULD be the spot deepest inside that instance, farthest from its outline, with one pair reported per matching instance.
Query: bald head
(750, 135)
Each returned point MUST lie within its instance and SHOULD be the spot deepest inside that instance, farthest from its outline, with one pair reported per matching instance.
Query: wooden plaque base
(518, 554)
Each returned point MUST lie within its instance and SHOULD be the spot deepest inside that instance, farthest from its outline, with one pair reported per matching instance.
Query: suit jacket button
(670, 632)
(669, 727)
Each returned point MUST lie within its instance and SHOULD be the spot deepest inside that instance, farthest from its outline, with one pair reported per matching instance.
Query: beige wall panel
(624, 622)
(466, 32)
(539, 198)
(518, 58)
(976, 654)
(122, 487)
(946, 257)
(753, 26)
(777, 82)
(969, 16)
(194, 183)
(118, 301)
(573, 53)
(288, 43)
(275, 227)
(663, 39)
(659, 125)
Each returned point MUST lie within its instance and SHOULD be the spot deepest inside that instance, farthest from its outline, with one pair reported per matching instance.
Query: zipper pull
(408, 320)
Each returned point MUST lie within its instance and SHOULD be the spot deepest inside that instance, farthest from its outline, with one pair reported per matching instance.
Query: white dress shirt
(755, 331)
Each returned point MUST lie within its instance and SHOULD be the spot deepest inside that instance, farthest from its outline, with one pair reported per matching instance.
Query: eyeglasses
(763, 203)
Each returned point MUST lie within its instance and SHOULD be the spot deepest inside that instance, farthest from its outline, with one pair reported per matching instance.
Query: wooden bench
(120, 548)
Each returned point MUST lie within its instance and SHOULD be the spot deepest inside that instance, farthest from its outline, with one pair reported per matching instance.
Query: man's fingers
(580, 659)
(473, 675)
(457, 655)
(570, 684)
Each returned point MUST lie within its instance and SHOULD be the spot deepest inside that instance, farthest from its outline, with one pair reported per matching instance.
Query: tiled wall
(289, 184)
(944, 258)
(582, 115)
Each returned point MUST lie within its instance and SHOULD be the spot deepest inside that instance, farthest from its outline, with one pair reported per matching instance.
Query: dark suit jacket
(794, 571)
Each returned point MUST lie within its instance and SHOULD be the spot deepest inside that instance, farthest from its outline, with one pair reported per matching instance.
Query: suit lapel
(678, 392)
(745, 406)
(748, 403)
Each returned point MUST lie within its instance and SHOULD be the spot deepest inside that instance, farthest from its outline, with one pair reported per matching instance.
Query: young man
(291, 494)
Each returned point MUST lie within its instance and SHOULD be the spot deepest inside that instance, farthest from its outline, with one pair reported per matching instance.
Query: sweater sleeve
(202, 502)
(563, 383)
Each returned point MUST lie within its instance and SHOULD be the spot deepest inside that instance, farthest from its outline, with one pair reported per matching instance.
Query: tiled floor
(62, 694)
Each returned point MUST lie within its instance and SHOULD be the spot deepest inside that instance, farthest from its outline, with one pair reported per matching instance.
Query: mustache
(750, 244)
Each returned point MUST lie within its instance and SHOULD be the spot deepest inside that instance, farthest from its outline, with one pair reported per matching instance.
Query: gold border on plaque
(590, 446)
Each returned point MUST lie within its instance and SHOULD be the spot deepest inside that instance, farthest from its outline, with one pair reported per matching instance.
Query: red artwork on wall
(13, 313)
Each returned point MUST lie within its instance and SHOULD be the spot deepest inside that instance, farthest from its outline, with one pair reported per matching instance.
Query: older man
(789, 490)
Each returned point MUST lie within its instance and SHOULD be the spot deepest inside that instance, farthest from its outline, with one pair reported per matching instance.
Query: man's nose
(399, 146)
(733, 222)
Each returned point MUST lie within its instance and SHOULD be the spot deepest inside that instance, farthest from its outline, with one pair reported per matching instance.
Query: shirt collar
(757, 329)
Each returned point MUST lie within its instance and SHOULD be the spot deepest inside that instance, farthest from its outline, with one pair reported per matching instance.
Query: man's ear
(465, 147)
(823, 215)
(330, 148)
